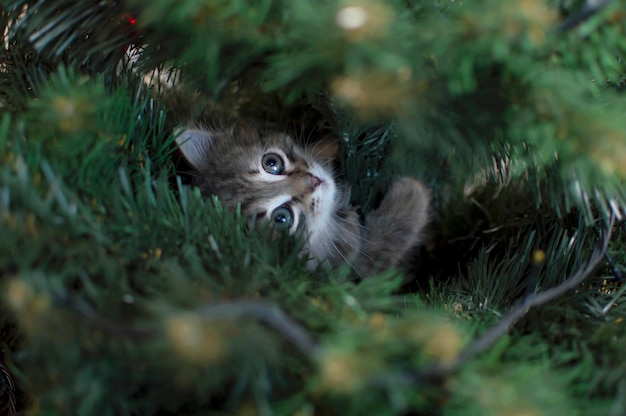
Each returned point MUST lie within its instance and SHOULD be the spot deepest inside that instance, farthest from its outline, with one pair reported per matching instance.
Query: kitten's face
(271, 178)
(294, 191)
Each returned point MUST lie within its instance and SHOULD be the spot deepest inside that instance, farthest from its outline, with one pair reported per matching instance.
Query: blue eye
(272, 163)
(282, 218)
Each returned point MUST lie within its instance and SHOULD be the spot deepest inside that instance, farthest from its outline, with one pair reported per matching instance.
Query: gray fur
(229, 165)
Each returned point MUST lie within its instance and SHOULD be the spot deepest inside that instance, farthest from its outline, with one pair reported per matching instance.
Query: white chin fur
(326, 194)
(322, 226)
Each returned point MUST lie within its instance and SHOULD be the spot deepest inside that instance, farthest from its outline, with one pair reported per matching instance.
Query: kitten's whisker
(358, 249)
(349, 243)
(318, 151)
(352, 265)
(347, 231)
(309, 138)
(339, 173)
(341, 254)
(326, 159)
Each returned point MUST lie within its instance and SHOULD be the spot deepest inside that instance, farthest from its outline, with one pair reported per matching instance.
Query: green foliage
(65, 30)
(124, 292)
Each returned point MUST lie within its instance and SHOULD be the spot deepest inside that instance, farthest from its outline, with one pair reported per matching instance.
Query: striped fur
(230, 165)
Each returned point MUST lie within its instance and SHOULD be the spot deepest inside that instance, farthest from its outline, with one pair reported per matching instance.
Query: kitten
(271, 177)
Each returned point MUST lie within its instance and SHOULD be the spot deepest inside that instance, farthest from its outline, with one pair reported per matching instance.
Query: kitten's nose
(315, 181)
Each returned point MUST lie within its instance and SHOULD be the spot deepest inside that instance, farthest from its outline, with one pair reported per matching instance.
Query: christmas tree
(124, 292)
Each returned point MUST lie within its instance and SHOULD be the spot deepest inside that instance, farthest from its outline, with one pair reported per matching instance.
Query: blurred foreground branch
(493, 334)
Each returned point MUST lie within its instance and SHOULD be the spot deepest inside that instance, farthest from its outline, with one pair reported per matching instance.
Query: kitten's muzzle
(305, 183)
(315, 181)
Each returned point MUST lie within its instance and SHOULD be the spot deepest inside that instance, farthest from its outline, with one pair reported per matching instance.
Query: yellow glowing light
(351, 17)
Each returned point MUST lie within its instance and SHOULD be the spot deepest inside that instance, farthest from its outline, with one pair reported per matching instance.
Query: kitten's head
(271, 178)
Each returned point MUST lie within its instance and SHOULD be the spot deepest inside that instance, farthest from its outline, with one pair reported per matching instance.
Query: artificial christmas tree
(124, 292)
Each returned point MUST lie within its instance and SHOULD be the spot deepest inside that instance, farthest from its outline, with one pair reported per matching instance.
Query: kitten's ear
(195, 145)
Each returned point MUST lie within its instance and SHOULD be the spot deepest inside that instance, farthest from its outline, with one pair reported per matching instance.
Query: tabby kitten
(271, 177)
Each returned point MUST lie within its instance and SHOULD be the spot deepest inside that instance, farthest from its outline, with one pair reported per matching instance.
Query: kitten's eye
(282, 218)
(272, 163)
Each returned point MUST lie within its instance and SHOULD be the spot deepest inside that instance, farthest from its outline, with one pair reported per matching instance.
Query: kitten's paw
(404, 211)
(397, 225)
(409, 197)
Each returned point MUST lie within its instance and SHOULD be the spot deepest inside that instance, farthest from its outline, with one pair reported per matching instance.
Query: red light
(132, 20)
